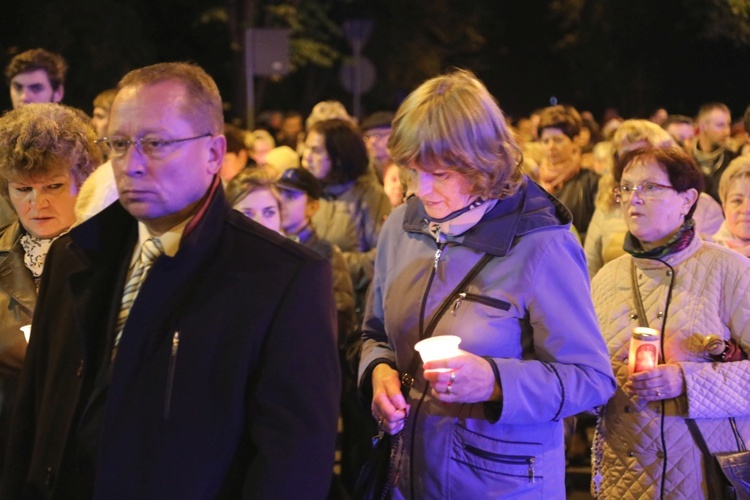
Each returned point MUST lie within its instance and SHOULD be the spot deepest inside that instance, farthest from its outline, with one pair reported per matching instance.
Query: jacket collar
(15, 278)
(673, 259)
(530, 209)
(10, 236)
(115, 228)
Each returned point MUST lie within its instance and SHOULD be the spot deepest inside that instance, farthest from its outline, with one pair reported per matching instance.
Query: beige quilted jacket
(710, 295)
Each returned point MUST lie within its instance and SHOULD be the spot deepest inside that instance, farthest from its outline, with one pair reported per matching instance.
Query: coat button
(669, 273)
(660, 454)
(660, 315)
(633, 316)
(627, 409)
(631, 453)
(49, 478)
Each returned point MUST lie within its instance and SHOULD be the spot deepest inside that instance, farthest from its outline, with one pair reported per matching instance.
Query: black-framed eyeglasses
(376, 134)
(153, 147)
(646, 191)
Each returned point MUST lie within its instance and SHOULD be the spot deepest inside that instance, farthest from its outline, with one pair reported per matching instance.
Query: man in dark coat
(223, 381)
(710, 150)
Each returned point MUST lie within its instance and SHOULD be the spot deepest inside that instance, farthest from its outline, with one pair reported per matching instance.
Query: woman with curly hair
(46, 152)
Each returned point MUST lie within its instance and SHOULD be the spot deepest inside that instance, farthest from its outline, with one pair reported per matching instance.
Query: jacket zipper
(423, 307)
(506, 459)
(488, 301)
(170, 373)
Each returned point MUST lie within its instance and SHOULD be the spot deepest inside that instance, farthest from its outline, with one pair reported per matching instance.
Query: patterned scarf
(679, 241)
(34, 254)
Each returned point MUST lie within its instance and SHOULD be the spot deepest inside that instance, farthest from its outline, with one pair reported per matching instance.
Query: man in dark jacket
(710, 150)
(209, 371)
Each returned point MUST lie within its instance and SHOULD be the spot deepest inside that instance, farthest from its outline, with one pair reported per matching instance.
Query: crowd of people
(225, 313)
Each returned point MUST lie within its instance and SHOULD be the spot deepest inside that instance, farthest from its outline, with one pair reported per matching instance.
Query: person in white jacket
(689, 289)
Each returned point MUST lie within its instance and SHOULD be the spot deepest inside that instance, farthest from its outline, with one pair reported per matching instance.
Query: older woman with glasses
(734, 193)
(685, 290)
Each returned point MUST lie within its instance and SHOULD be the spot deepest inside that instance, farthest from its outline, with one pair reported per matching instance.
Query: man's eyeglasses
(646, 191)
(149, 146)
(376, 135)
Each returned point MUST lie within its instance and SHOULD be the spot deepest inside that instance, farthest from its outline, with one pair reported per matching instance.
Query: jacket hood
(530, 209)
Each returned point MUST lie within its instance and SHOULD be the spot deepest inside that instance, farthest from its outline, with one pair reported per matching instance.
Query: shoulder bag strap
(714, 477)
(407, 378)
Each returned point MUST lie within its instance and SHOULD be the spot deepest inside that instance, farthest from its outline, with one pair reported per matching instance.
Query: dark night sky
(639, 63)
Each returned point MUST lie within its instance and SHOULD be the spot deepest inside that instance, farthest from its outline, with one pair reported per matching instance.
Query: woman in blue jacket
(488, 422)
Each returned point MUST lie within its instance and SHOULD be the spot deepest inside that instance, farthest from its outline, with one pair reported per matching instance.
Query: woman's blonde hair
(252, 179)
(452, 122)
(737, 168)
(327, 110)
(632, 134)
(39, 139)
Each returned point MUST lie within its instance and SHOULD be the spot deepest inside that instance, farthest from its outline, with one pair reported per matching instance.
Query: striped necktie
(150, 250)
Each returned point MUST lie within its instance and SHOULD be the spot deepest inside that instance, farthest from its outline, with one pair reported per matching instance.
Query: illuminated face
(737, 208)
(45, 205)
(392, 184)
(232, 165)
(261, 206)
(260, 151)
(295, 210)
(376, 141)
(292, 126)
(681, 131)
(33, 87)
(653, 219)
(442, 192)
(162, 191)
(558, 147)
(99, 121)
(715, 127)
(315, 156)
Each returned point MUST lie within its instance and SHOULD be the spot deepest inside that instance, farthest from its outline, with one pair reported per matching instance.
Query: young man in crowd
(36, 75)
(710, 149)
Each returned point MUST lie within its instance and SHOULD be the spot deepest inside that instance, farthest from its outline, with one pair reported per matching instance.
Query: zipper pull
(438, 253)
(457, 304)
(531, 470)
(175, 343)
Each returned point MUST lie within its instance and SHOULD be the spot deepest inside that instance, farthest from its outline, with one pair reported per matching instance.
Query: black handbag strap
(407, 379)
(714, 477)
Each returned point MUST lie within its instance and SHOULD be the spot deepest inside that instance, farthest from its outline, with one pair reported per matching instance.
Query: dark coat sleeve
(20, 447)
(295, 408)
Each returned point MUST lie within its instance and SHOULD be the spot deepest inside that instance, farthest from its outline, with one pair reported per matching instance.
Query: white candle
(440, 347)
(26, 332)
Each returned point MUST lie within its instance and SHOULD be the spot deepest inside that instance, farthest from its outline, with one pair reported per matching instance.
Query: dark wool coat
(226, 381)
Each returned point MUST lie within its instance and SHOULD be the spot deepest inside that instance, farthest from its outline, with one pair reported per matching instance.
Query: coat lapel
(15, 278)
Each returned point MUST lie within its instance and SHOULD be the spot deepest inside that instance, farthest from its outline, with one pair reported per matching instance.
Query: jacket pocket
(170, 374)
(506, 468)
(481, 299)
